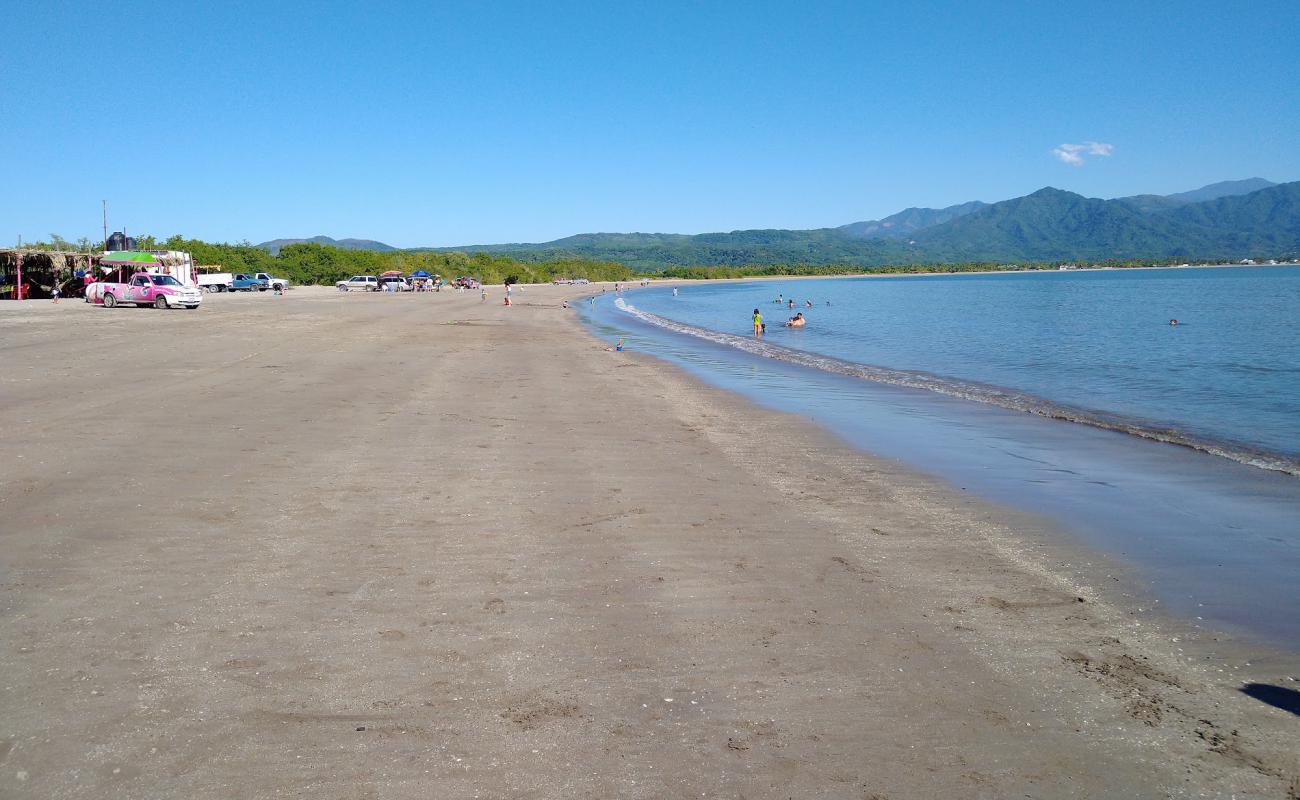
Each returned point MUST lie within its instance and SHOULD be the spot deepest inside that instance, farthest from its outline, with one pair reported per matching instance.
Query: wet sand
(411, 546)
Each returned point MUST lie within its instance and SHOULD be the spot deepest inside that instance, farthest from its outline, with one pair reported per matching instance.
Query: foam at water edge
(979, 392)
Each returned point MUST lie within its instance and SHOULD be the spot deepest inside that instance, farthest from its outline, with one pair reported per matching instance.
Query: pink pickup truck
(146, 288)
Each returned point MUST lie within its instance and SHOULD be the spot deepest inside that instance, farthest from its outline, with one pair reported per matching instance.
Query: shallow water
(1093, 347)
(1215, 540)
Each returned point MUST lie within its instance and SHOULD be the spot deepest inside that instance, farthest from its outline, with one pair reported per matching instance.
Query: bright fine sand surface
(366, 546)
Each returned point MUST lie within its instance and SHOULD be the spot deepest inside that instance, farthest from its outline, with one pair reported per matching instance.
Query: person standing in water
(674, 291)
(758, 323)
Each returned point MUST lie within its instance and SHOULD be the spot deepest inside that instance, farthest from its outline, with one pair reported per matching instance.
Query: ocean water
(1175, 450)
(1095, 347)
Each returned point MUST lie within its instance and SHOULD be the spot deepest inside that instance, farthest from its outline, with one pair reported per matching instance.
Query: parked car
(360, 283)
(396, 282)
(147, 289)
(580, 281)
(247, 283)
(235, 282)
(274, 283)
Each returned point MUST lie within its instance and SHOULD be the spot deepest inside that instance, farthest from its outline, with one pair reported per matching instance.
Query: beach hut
(32, 274)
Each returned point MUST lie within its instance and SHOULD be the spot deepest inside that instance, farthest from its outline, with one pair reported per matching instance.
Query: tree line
(312, 264)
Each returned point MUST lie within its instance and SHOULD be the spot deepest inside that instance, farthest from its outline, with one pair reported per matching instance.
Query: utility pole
(104, 203)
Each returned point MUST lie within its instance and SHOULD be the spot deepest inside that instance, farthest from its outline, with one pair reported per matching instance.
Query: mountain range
(343, 244)
(1228, 220)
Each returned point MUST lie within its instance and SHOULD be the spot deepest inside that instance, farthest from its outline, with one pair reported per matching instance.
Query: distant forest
(312, 264)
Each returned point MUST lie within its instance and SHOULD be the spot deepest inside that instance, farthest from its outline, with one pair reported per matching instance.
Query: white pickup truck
(274, 283)
(215, 281)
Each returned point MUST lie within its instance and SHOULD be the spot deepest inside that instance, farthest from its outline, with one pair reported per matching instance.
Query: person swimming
(1173, 322)
(807, 304)
(797, 321)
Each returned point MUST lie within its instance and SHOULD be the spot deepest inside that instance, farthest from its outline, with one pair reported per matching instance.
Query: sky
(442, 124)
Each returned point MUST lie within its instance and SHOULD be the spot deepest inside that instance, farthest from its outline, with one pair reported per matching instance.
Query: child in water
(758, 323)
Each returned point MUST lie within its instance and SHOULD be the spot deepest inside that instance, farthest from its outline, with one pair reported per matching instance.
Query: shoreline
(969, 390)
(587, 566)
(1105, 488)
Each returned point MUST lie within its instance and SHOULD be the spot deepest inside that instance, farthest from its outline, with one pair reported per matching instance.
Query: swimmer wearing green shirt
(758, 323)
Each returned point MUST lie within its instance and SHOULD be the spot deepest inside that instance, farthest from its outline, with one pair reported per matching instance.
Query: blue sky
(459, 123)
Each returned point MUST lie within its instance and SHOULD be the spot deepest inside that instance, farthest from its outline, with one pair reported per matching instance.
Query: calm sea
(1095, 347)
(1067, 394)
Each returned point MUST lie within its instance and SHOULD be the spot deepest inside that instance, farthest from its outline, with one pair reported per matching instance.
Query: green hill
(1231, 220)
(1222, 189)
(273, 247)
(1053, 224)
(908, 221)
(1049, 224)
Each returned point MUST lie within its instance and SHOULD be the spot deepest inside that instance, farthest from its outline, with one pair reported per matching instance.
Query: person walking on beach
(482, 294)
(758, 324)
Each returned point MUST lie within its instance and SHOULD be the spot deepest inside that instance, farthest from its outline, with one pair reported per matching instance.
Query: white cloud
(1073, 154)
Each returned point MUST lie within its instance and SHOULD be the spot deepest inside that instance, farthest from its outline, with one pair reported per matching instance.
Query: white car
(145, 289)
(361, 283)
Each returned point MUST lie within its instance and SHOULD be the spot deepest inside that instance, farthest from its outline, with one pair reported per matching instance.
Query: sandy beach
(374, 546)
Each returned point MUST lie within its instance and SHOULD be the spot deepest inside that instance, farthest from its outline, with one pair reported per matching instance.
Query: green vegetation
(309, 264)
(315, 264)
(318, 264)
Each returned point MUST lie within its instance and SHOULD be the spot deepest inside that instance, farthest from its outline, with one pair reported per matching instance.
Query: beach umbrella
(390, 273)
(131, 257)
(121, 259)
